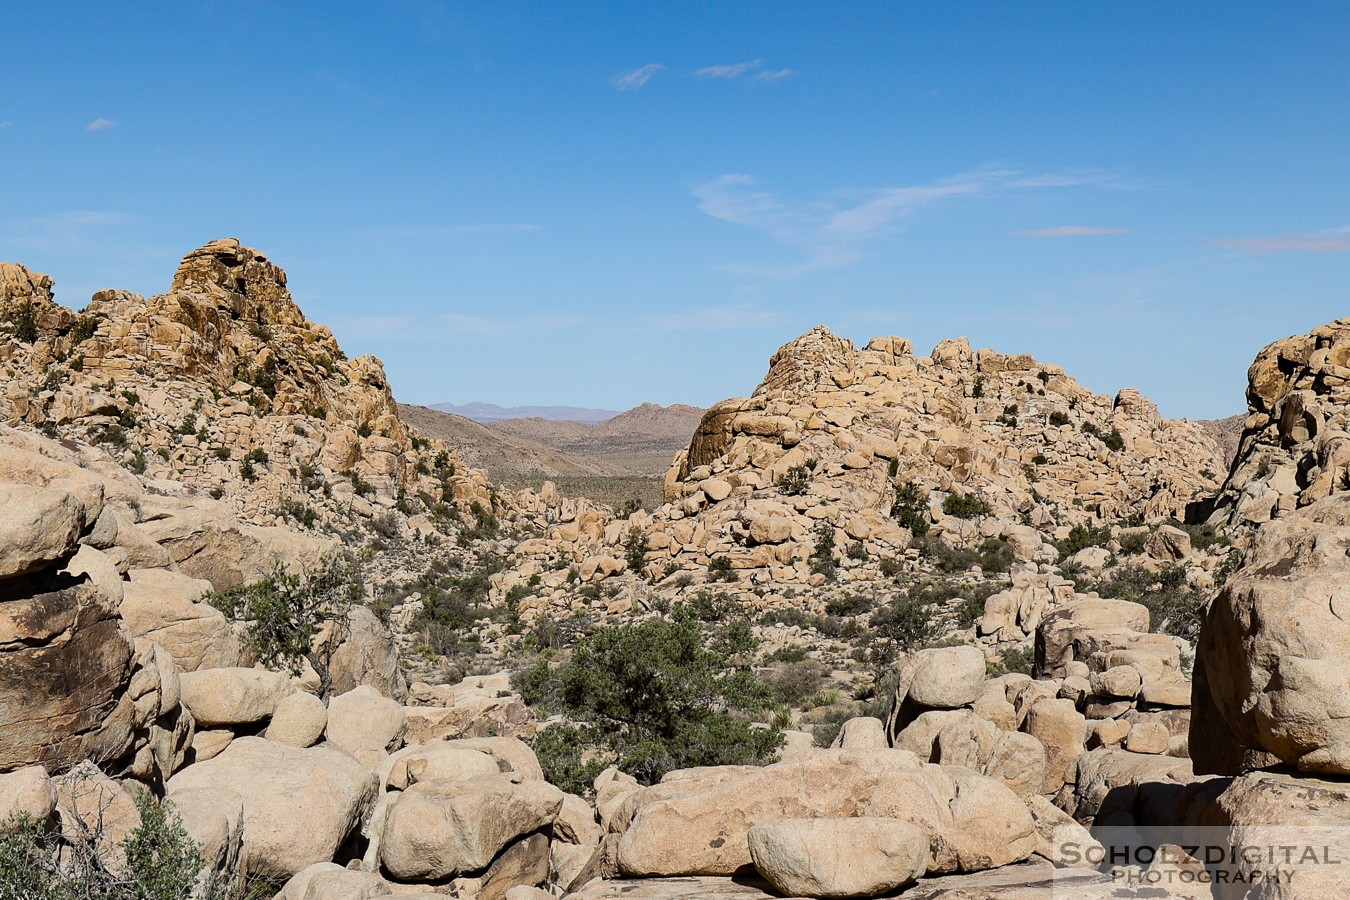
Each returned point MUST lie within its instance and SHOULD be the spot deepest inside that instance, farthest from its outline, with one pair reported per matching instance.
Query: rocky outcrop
(855, 857)
(1295, 445)
(220, 383)
(700, 825)
(299, 805)
(841, 447)
(1273, 811)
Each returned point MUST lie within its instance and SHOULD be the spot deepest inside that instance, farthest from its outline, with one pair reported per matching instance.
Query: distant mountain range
(639, 442)
(491, 412)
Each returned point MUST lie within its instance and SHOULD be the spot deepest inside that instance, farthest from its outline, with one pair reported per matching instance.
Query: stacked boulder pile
(1108, 708)
(118, 679)
(817, 456)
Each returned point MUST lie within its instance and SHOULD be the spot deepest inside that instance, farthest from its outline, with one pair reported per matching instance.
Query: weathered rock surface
(1275, 810)
(1271, 663)
(298, 720)
(65, 666)
(233, 696)
(299, 805)
(365, 724)
(1295, 445)
(855, 857)
(165, 607)
(442, 828)
(40, 525)
(699, 825)
(27, 792)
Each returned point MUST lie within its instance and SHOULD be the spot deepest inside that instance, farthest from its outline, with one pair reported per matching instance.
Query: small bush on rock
(1081, 537)
(795, 481)
(720, 569)
(910, 508)
(282, 612)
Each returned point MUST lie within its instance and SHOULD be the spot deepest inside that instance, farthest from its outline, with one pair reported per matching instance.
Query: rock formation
(841, 447)
(220, 383)
(1295, 445)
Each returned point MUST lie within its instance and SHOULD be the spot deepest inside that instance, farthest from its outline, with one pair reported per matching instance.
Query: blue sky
(601, 204)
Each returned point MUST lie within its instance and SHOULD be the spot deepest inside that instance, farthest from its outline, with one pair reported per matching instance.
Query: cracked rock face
(65, 666)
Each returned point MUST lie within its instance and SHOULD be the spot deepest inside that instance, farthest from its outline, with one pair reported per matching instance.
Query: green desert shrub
(910, 508)
(163, 862)
(1081, 537)
(796, 480)
(23, 322)
(656, 696)
(963, 506)
(282, 612)
(720, 569)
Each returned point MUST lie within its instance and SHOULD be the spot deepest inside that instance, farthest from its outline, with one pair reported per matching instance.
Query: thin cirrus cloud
(1069, 231)
(842, 227)
(1333, 240)
(101, 125)
(736, 70)
(631, 81)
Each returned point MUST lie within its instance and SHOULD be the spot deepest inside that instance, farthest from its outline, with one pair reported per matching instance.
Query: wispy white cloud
(1069, 231)
(1333, 240)
(828, 232)
(631, 81)
(839, 228)
(5, 124)
(101, 125)
(61, 232)
(735, 70)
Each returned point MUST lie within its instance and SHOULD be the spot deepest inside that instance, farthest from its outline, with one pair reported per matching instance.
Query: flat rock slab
(701, 886)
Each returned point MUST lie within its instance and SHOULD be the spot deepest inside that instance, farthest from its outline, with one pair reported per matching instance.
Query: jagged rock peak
(241, 279)
(19, 283)
(803, 364)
